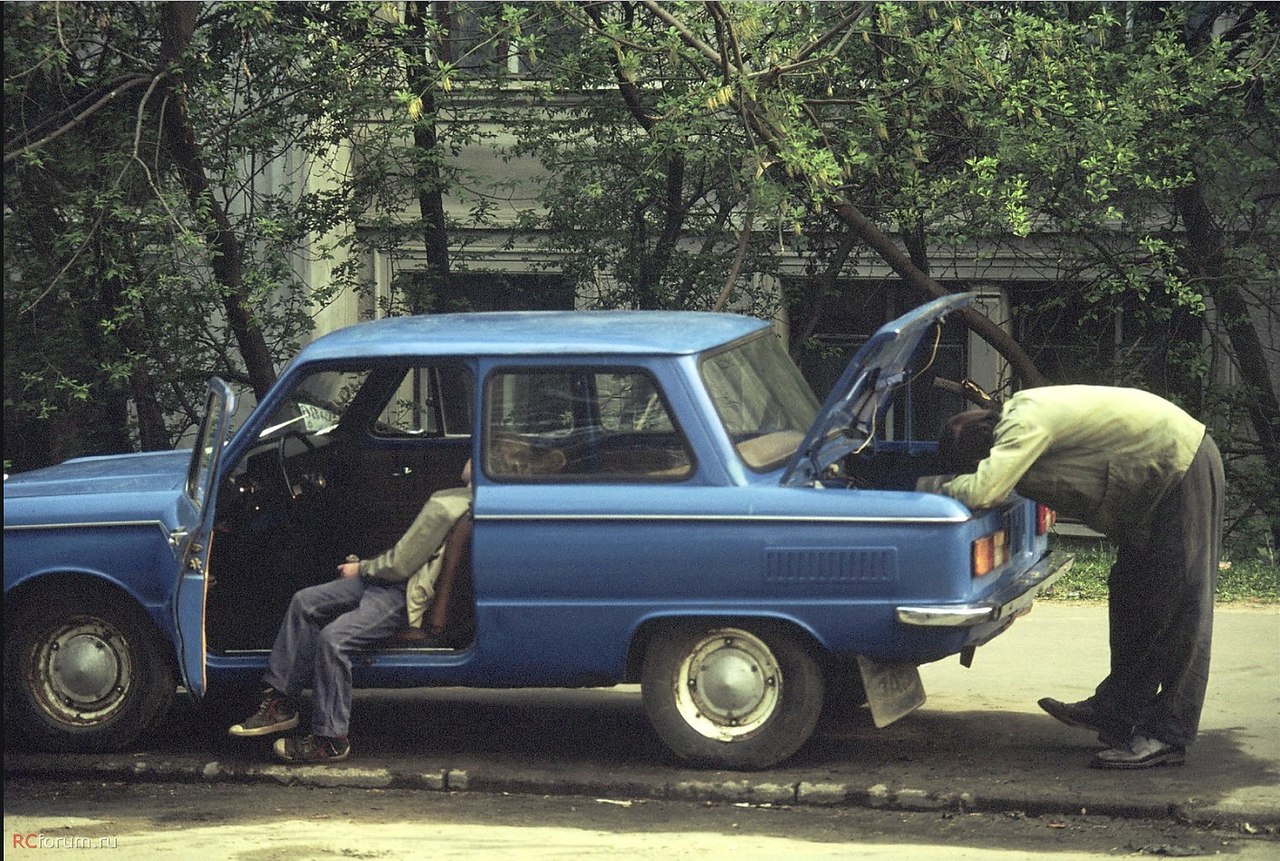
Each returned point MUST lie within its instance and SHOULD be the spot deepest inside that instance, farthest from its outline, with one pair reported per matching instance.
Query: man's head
(966, 439)
(511, 456)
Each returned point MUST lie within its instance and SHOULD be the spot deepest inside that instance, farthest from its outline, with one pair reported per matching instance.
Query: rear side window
(578, 424)
(765, 404)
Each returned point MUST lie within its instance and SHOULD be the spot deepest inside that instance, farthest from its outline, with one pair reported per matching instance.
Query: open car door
(193, 539)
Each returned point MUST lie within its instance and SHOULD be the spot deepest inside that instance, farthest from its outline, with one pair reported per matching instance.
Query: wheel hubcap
(80, 672)
(84, 667)
(729, 686)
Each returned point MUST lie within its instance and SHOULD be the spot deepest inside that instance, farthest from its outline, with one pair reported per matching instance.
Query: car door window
(429, 401)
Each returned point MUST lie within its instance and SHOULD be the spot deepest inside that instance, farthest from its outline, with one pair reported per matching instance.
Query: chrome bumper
(1013, 600)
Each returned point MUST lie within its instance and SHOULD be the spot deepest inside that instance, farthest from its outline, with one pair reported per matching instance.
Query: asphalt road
(979, 744)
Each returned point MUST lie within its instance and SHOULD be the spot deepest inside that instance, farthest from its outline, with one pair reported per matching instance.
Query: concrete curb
(527, 781)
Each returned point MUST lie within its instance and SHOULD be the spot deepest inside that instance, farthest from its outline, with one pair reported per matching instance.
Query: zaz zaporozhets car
(659, 498)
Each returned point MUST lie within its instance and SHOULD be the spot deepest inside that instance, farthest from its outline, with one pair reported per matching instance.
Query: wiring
(937, 339)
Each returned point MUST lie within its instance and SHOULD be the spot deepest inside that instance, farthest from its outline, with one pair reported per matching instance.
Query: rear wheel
(729, 696)
(84, 674)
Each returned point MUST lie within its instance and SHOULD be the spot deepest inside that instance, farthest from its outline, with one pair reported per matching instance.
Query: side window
(581, 425)
(429, 401)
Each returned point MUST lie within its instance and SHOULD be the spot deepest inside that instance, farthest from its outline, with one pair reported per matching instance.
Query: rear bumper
(1012, 600)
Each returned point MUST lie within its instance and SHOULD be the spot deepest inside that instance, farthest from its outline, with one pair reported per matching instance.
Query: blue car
(659, 499)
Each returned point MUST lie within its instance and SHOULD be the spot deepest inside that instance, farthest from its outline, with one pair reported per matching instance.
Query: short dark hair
(966, 440)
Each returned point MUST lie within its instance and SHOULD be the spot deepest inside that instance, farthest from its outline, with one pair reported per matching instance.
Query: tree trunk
(890, 253)
(178, 21)
(426, 165)
(650, 271)
(1206, 258)
(654, 266)
(810, 310)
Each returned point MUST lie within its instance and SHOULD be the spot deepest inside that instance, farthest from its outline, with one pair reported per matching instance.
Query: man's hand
(932, 483)
(349, 569)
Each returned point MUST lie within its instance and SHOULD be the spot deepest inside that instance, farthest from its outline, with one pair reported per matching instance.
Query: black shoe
(1085, 715)
(312, 748)
(1140, 752)
(275, 714)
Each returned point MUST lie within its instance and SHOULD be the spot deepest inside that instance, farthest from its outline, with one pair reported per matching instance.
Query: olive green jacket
(419, 554)
(1104, 455)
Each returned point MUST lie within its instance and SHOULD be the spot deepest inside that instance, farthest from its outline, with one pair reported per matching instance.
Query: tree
(918, 126)
(636, 211)
(139, 222)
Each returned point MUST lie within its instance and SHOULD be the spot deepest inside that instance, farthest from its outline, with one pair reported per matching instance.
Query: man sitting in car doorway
(369, 601)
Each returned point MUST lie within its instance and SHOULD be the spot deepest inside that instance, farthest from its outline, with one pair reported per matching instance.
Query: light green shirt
(418, 556)
(1101, 454)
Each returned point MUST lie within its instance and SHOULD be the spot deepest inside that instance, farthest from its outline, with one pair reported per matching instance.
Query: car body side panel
(135, 557)
(588, 577)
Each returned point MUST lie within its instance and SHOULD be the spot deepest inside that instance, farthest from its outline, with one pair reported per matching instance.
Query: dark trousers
(1161, 610)
(323, 624)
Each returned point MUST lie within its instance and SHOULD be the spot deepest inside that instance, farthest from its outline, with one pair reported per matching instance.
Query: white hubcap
(729, 686)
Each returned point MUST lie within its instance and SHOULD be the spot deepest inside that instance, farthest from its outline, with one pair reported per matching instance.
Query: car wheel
(731, 697)
(84, 674)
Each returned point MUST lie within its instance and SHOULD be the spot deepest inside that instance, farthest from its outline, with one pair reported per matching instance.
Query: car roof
(535, 333)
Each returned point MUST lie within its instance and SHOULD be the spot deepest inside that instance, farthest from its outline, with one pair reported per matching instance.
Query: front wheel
(731, 697)
(84, 673)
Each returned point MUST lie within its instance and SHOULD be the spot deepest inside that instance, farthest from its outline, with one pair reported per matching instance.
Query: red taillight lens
(990, 552)
(1045, 518)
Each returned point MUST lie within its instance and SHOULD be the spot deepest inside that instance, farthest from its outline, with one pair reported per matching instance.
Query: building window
(1073, 340)
(481, 291)
(477, 40)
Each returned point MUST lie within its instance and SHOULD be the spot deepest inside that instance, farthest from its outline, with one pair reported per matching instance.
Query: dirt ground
(292, 823)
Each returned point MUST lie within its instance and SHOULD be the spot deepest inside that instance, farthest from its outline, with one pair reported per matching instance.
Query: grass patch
(1243, 580)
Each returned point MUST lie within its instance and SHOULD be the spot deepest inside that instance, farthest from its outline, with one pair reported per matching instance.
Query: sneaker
(275, 714)
(1086, 715)
(312, 748)
(1140, 752)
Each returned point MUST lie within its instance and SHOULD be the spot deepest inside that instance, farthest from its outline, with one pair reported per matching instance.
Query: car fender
(649, 625)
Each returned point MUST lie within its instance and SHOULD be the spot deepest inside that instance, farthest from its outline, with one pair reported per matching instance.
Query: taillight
(1045, 518)
(990, 552)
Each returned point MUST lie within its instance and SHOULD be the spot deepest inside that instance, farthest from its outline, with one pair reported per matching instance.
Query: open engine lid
(859, 400)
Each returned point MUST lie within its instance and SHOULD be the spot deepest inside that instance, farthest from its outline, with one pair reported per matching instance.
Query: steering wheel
(295, 489)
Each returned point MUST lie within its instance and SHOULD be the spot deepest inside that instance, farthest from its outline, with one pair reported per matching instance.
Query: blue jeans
(323, 624)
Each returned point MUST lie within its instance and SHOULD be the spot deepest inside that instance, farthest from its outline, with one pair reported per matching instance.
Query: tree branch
(79, 118)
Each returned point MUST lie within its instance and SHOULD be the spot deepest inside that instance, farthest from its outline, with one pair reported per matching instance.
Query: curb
(537, 782)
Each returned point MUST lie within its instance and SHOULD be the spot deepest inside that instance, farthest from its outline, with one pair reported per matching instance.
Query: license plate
(893, 690)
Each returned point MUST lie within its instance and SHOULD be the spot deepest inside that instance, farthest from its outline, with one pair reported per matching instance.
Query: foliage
(113, 313)
(1118, 161)
(1246, 576)
(638, 211)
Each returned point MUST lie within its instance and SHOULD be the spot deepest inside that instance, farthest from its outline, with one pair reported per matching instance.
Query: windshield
(316, 404)
(764, 403)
